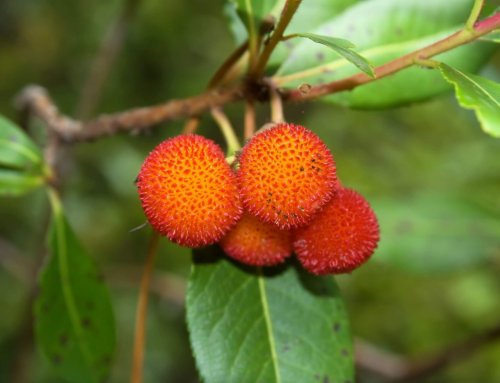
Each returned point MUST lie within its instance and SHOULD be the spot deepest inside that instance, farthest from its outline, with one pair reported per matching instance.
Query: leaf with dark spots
(267, 321)
(74, 321)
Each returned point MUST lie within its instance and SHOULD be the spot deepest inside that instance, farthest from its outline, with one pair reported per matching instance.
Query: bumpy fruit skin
(257, 243)
(286, 175)
(188, 191)
(342, 237)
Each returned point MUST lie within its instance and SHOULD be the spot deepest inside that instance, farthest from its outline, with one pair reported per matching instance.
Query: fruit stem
(141, 313)
(233, 145)
(191, 125)
(249, 119)
(276, 104)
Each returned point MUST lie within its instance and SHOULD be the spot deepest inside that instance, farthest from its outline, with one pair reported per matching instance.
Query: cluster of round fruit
(280, 197)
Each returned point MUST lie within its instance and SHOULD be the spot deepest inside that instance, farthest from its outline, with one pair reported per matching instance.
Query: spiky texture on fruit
(188, 191)
(341, 237)
(257, 243)
(286, 175)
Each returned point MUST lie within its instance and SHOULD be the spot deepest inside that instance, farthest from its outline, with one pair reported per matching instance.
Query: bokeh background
(431, 174)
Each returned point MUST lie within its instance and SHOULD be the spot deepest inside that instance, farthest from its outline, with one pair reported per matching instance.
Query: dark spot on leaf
(86, 323)
(63, 340)
(56, 359)
(344, 352)
(336, 327)
(99, 278)
(89, 306)
(347, 381)
(13, 138)
(105, 361)
(320, 56)
(326, 379)
(316, 376)
(286, 347)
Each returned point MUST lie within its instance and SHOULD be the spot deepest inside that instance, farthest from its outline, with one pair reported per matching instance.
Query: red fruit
(188, 191)
(257, 243)
(342, 237)
(286, 175)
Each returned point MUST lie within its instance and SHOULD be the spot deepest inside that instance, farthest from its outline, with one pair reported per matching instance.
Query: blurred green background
(431, 174)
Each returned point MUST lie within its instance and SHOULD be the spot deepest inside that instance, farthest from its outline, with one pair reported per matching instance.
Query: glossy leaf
(21, 167)
(282, 325)
(493, 37)
(74, 319)
(309, 15)
(344, 48)
(15, 183)
(476, 93)
(16, 148)
(435, 233)
(384, 30)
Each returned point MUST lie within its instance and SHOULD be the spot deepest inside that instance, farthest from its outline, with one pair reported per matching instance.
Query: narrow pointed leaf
(16, 148)
(344, 48)
(280, 326)
(74, 320)
(476, 93)
(309, 15)
(14, 183)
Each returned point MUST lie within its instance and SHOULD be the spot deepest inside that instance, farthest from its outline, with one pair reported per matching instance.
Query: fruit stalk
(141, 313)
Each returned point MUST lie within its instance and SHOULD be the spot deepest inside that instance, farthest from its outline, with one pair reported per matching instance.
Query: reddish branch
(36, 100)
(461, 37)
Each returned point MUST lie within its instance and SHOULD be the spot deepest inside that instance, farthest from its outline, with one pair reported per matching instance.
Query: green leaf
(74, 319)
(476, 93)
(343, 48)
(383, 30)
(281, 325)
(435, 233)
(15, 183)
(16, 148)
(493, 37)
(309, 15)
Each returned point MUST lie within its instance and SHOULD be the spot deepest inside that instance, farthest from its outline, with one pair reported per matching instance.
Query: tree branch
(398, 368)
(36, 100)
(461, 37)
(101, 66)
